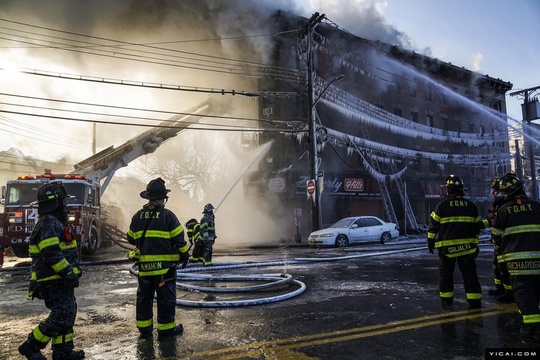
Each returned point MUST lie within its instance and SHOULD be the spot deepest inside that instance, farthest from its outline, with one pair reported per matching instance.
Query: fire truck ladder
(104, 164)
(385, 194)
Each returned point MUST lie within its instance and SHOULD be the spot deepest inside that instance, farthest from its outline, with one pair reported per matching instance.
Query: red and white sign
(354, 185)
(310, 185)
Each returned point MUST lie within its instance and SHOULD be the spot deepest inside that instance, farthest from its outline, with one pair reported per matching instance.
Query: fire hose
(272, 280)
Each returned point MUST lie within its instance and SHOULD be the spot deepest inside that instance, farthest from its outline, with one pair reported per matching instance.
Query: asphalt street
(363, 302)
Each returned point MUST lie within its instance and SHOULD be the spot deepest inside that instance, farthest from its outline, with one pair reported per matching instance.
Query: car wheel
(385, 237)
(342, 241)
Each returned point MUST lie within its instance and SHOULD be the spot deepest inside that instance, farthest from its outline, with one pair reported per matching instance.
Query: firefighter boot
(66, 352)
(507, 297)
(499, 290)
(178, 330)
(31, 351)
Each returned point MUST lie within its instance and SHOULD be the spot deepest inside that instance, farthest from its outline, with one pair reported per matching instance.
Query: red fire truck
(86, 183)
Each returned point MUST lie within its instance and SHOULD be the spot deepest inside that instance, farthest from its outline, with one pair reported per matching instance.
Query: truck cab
(21, 212)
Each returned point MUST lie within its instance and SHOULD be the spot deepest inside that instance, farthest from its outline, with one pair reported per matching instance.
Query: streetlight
(316, 211)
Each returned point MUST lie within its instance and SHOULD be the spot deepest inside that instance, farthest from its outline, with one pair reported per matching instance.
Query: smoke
(228, 29)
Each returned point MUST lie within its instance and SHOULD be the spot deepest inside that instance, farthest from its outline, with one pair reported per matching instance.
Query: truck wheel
(93, 241)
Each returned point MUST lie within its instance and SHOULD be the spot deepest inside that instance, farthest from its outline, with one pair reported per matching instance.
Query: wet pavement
(363, 302)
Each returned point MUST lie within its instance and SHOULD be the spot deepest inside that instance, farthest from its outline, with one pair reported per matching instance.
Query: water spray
(264, 149)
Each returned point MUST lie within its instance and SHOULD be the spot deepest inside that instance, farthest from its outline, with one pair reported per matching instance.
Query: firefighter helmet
(495, 184)
(155, 190)
(50, 196)
(454, 182)
(208, 208)
(191, 223)
(509, 184)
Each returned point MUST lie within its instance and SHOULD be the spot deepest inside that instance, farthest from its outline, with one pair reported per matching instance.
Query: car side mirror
(354, 226)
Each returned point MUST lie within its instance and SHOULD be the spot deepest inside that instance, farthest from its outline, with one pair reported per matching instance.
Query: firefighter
(516, 231)
(208, 233)
(503, 288)
(194, 236)
(54, 276)
(159, 236)
(454, 228)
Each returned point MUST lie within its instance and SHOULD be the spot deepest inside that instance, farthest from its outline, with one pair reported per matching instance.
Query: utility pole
(308, 30)
(527, 118)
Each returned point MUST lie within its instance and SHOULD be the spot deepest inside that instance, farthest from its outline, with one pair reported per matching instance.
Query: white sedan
(354, 230)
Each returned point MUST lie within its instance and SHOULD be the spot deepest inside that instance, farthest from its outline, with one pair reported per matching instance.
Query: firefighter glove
(184, 259)
(34, 290)
(431, 246)
(134, 255)
(71, 279)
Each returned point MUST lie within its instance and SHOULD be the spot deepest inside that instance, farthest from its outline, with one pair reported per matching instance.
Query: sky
(494, 37)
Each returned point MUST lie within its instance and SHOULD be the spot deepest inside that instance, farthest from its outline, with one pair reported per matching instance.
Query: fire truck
(86, 184)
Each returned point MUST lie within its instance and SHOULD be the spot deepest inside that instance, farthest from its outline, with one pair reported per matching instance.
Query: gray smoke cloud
(221, 28)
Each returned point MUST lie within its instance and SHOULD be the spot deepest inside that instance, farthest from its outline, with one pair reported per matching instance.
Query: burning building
(389, 124)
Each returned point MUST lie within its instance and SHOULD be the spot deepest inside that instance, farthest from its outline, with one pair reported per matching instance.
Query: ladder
(410, 218)
(385, 194)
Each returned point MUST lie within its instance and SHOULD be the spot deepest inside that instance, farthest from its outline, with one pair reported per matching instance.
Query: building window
(443, 100)
(414, 115)
(429, 95)
(413, 92)
(429, 120)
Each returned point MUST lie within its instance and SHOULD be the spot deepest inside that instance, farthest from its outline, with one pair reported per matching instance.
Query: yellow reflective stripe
(154, 272)
(435, 217)
(48, 242)
(446, 295)
(39, 336)
(431, 235)
(521, 255)
(464, 219)
(158, 234)
(184, 248)
(474, 296)
(62, 339)
(500, 259)
(177, 231)
(167, 257)
(167, 326)
(141, 324)
(53, 277)
(66, 246)
(76, 270)
(33, 275)
(33, 249)
(470, 251)
(522, 229)
(531, 319)
(61, 265)
(135, 235)
(456, 242)
(495, 231)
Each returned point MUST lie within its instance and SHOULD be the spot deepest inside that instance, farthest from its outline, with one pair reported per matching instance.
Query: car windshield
(343, 223)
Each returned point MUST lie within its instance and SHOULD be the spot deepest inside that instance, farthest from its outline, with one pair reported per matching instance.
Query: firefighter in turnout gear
(194, 236)
(516, 231)
(159, 236)
(208, 233)
(54, 276)
(503, 288)
(454, 228)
